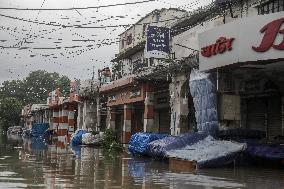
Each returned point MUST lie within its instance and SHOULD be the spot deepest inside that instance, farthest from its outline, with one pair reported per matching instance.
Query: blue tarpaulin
(159, 148)
(203, 91)
(273, 152)
(139, 141)
(39, 144)
(38, 129)
(77, 138)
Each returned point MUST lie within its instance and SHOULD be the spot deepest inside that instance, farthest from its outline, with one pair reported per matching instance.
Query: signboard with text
(157, 44)
(252, 39)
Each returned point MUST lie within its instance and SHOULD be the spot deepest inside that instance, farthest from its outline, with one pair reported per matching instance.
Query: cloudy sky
(39, 39)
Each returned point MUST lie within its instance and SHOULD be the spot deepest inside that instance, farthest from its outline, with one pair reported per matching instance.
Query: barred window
(271, 7)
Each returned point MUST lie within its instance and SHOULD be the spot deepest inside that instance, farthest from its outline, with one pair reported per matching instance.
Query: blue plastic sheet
(38, 129)
(203, 91)
(159, 148)
(76, 150)
(77, 138)
(47, 133)
(139, 141)
(273, 152)
(38, 144)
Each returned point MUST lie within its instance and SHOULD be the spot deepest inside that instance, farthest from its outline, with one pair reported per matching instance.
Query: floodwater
(34, 164)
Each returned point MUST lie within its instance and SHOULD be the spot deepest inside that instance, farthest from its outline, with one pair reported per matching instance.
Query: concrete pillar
(84, 126)
(55, 122)
(111, 118)
(127, 111)
(179, 104)
(63, 125)
(149, 109)
(80, 116)
(71, 119)
(98, 125)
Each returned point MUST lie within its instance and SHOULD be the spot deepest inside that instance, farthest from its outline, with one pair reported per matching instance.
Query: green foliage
(33, 89)
(109, 141)
(10, 109)
(95, 133)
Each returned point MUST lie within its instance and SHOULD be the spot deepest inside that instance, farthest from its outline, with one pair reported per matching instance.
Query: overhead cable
(74, 8)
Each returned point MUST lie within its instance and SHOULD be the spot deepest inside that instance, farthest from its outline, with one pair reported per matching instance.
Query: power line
(61, 25)
(74, 8)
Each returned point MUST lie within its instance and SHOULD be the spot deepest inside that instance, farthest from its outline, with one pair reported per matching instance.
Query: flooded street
(33, 164)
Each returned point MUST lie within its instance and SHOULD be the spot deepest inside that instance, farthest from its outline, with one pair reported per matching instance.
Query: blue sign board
(158, 39)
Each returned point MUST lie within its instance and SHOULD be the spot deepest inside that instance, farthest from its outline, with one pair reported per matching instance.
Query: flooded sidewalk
(35, 164)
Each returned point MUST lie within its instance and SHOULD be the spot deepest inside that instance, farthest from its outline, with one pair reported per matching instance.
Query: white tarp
(207, 149)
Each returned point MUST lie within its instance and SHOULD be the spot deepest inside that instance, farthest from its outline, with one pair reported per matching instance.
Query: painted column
(149, 109)
(63, 125)
(111, 118)
(126, 134)
(71, 119)
(55, 123)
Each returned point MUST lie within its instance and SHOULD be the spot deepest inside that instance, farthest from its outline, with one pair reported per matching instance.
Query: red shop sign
(222, 45)
(271, 30)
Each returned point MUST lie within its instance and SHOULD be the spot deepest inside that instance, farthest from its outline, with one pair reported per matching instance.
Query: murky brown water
(32, 164)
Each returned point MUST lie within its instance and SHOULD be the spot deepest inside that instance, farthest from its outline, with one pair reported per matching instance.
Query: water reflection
(36, 164)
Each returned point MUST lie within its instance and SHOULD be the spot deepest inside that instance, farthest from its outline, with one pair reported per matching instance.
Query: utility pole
(93, 78)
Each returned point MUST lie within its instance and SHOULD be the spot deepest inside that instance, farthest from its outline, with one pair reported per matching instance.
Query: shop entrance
(265, 114)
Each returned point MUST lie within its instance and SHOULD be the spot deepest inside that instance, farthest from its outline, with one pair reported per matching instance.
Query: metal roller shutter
(274, 116)
(164, 121)
(256, 113)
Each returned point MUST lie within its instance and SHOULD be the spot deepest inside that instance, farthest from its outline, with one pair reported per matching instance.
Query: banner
(157, 44)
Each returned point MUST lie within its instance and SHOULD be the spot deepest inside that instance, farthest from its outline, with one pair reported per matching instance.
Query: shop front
(136, 106)
(247, 58)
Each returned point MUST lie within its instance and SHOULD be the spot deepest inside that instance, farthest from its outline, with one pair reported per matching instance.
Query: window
(151, 61)
(157, 19)
(129, 39)
(173, 56)
(270, 7)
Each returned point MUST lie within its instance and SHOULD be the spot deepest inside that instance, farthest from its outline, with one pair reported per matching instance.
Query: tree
(10, 109)
(33, 89)
(39, 83)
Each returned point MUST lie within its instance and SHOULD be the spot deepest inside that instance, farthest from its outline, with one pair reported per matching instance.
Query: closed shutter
(118, 126)
(274, 116)
(164, 121)
(256, 114)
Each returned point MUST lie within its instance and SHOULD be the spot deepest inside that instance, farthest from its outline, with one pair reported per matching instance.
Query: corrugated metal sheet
(274, 116)
(256, 114)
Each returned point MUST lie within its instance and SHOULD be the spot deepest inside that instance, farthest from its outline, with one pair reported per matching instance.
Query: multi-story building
(138, 97)
(240, 43)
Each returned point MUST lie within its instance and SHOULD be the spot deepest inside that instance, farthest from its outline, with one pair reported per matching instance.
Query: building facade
(137, 96)
(240, 44)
